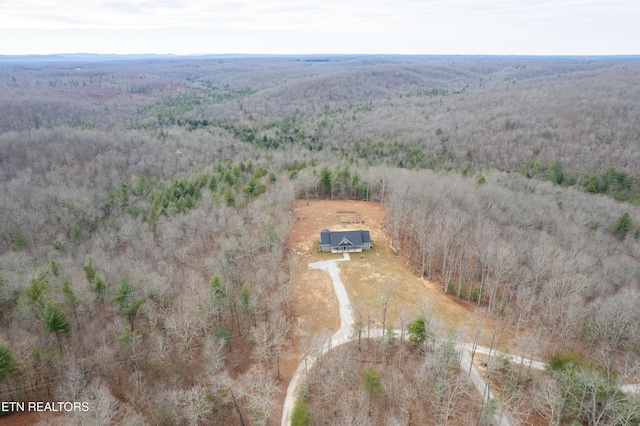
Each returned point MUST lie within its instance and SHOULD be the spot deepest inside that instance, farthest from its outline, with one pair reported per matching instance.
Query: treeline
(555, 268)
(542, 257)
(619, 185)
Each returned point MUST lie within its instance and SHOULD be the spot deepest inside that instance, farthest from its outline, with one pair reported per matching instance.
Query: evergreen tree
(326, 181)
(418, 331)
(55, 320)
(372, 383)
(128, 302)
(622, 225)
(19, 241)
(8, 365)
(301, 415)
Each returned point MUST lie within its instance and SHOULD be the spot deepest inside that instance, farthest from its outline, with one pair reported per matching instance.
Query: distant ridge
(99, 57)
(113, 57)
(81, 57)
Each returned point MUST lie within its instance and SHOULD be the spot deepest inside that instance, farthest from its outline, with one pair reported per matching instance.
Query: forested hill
(143, 225)
(533, 115)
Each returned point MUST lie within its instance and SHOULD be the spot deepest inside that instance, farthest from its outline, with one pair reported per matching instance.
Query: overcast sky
(495, 27)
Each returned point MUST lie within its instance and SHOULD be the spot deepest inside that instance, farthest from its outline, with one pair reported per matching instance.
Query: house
(345, 241)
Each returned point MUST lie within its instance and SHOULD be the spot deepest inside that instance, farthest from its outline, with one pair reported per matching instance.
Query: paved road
(481, 385)
(344, 335)
(346, 316)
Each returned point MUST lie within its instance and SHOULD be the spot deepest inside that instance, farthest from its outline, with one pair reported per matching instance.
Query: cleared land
(369, 276)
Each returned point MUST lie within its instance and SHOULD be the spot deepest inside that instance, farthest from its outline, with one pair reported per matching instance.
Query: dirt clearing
(368, 277)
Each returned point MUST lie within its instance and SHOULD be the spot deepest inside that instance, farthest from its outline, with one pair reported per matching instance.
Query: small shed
(345, 241)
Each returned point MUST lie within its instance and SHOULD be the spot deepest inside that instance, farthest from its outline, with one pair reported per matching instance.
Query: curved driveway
(343, 335)
(345, 332)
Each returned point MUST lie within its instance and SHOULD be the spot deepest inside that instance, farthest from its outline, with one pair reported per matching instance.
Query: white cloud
(462, 26)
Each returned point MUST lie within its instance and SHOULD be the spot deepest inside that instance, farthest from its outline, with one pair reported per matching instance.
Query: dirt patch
(316, 304)
(367, 277)
(349, 216)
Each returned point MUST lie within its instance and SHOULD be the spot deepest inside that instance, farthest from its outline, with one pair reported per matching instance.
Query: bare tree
(262, 395)
(186, 327)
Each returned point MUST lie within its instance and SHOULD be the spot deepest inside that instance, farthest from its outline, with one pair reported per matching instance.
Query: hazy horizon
(407, 27)
(80, 58)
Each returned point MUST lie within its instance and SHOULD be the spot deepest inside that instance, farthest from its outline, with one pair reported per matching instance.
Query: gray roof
(344, 238)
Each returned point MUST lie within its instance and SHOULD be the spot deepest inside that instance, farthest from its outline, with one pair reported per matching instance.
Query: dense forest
(145, 204)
